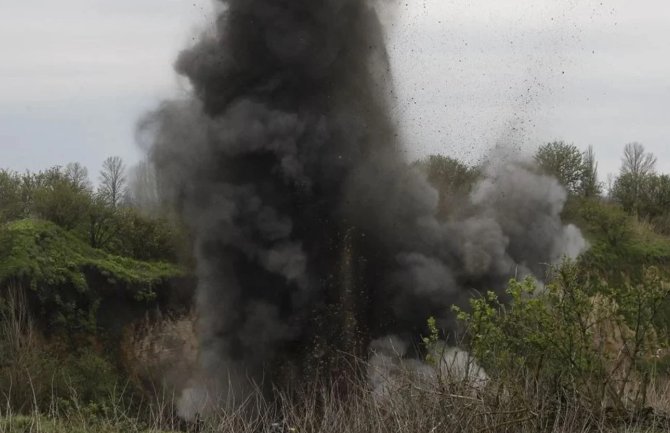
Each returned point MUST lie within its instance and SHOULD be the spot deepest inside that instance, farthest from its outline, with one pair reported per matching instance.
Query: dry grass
(408, 401)
(448, 407)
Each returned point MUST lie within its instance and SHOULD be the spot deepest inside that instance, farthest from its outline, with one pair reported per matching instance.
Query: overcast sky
(76, 75)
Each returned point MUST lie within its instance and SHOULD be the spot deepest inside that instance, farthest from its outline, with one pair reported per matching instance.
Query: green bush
(59, 269)
(571, 337)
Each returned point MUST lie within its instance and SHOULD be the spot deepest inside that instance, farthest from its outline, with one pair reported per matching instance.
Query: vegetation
(597, 343)
(69, 256)
(59, 268)
(452, 179)
(588, 350)
(564, 162)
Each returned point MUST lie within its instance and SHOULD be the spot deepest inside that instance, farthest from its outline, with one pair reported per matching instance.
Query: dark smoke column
(312, 234)
(290, 101)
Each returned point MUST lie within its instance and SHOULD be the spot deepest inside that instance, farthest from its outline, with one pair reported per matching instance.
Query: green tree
(624, 191)
(648, 197)
(563, 161)
(655, 196)
(78, 175)
(55, 197)
(102, 223)
(637, 166)
(11, 196)
(452, 178)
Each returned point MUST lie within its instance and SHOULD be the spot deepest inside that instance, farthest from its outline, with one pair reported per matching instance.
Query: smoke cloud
(312, 234)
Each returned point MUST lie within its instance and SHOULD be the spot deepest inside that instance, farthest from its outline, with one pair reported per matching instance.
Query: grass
(414, 407)
(78, 393)
(402, 399)
(620, 245)
(43, 424)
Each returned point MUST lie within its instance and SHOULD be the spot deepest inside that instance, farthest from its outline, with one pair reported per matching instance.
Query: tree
(102, 223)
(78, 175)
(113, 181)
(637, 166)
(563, 161)
(143, 188)
(625, 192)
(11, 203)
(588, 184)
(655, 202)
(452, 179)
(636, 161)
(56, 198)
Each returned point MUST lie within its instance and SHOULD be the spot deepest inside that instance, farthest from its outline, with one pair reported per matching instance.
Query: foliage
(563, 161)
(57, 199)
(661, 223)
(589, 336)
(638, 189)
(34, 371)
(626, 191)
(647, 197)
(619, 245)
(589, 186)
(656, 196)
(452, 179)
(12, 205)
(56, 195)
(570, 336)
(143, 238)
(431, 340)
(65, 197)
(58, 267)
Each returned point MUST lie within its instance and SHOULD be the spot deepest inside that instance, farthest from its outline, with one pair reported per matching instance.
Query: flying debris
(312, 233)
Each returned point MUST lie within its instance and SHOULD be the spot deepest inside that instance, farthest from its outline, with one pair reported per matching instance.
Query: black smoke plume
(312, 234)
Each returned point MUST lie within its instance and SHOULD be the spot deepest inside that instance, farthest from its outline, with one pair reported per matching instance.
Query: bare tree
(112, 187)
(589, 185)
(78, 175)
(636, 166)
(143, 187)
(636, 161)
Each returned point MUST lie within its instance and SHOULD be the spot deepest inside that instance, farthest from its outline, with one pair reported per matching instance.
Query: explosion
(312, 233)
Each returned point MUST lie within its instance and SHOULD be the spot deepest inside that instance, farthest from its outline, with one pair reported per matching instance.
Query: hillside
(620, 244)
(69, 279)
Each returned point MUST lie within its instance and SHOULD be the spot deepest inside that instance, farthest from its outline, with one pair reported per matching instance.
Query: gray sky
(76, 75)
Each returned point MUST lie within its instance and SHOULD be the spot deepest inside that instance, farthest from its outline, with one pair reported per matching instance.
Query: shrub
(575, 339)
(67, 277)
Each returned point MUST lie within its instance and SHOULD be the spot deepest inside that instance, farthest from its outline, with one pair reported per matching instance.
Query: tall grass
(450, 406)
(41, 395)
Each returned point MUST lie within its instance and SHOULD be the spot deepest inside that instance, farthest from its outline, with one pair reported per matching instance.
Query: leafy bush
(571, 337)
(59, 269)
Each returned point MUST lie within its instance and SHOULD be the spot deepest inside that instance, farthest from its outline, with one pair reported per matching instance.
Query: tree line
(122, 214)
(110, 216)
(638, 189)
